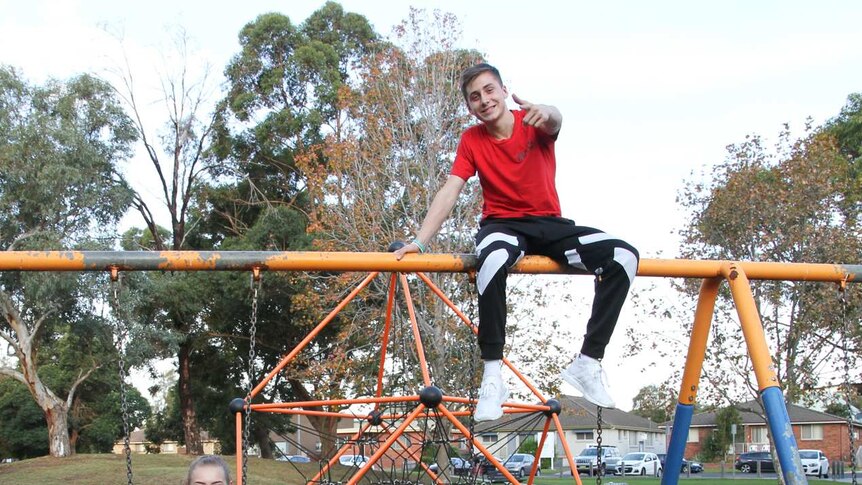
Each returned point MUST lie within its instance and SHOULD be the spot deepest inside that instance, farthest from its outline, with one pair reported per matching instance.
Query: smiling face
(486, 98)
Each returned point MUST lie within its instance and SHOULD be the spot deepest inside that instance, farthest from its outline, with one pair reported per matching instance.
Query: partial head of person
(484, 92)
(208, 470)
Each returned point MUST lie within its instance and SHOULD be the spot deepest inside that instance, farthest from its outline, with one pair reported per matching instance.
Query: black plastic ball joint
(375, 418)
(431, 396)
(237, 405)
(395, 246)
(556, 407)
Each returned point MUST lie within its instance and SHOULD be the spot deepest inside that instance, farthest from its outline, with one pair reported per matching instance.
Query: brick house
(812, 429)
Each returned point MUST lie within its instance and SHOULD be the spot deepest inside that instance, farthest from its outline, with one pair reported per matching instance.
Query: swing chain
(252, 355)
(847, 389)
(598, 445)
(121, 338)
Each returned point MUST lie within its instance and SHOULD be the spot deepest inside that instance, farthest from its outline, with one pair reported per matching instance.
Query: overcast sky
(649, 91)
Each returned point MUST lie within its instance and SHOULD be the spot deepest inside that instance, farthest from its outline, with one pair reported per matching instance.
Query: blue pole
(782, 434)
(678, 439)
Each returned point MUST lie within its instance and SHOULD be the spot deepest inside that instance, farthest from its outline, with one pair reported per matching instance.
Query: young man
(513, 154)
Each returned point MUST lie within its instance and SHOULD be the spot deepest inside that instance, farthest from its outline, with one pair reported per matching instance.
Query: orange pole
(325, 468)
(699, 337)
(390, 304)
(562, 433)
(752, 328)
(466, 432)
(239, 454)
(311, 335)
(346, 261)
(538, 455)
(386, 445)
(417, 337)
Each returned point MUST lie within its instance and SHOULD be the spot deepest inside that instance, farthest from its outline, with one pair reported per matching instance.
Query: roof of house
(577, 413)
(752, 413)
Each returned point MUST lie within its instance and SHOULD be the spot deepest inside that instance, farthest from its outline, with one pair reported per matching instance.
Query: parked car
(815, 463)
(696, 467)
(520, 464)
(358, 461)
(640, 464)
(748, 462)
(294, 458)
(457, 466)
(586, 459)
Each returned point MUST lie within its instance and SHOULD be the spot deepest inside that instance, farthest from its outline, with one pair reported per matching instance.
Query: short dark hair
(473, 72)
(208, 460)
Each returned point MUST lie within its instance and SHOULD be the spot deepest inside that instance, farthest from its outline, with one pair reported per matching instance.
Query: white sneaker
(492, 395)
(588, 377)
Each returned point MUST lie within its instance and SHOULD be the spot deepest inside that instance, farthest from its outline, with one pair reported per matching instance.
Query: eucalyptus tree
(60, 144)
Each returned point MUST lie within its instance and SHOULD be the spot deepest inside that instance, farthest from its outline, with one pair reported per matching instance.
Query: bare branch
(82, 376)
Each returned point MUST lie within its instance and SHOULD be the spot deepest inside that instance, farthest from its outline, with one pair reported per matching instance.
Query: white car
(640, 464)
(815, 463)
(358, 461)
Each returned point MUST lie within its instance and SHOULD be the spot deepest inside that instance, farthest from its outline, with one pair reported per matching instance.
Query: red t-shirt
(516, 174)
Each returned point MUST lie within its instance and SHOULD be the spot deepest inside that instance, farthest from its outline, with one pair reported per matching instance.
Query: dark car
(695, 466)
(748, 462)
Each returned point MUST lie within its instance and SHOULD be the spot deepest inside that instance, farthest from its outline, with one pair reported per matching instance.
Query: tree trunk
(58, 430)
(261, 436)
(187, 410)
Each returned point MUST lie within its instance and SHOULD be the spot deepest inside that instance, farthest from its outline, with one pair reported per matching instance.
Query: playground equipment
(430, 404)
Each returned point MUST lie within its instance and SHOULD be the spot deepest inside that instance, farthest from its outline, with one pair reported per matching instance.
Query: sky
(651, 92)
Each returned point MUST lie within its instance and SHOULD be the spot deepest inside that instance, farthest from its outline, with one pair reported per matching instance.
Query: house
(812, 429)
(138, 444)
(628, 432)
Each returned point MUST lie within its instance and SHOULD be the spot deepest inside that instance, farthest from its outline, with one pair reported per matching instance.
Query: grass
(147, 470)
(171, 470)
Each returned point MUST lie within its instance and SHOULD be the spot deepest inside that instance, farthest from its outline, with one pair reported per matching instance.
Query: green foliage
(655, 403)
(23, 433)
(59, 146)
(529, 446)
(166, 424)
(718, 442)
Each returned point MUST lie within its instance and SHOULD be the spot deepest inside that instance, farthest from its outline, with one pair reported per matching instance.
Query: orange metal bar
(312, 334)
(752, 328)
(336, 402)
(334, 459)
(387, 327)
(386, 445)
(491, 459)
(239, 448)
(345, 261)
(538, 455)
(562, 434)
(699, 337)
(417, 337)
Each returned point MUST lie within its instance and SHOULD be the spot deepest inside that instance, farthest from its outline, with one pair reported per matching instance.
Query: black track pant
(500, 243)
